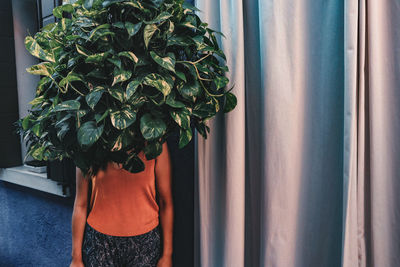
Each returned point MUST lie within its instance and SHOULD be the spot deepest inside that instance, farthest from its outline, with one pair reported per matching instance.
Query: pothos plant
(118, 77)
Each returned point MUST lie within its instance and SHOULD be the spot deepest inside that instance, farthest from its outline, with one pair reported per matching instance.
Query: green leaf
(181, 117)
(81, 50)
(102, 34)
(93, 32)
(199, 41)
(67, 105)
(119, 25)
(161, 17)
(203, 69)
(98, 74)
(192, 70)
(133, 164)
(131, 88)
(96, 58)
(88, 4)
(123, 140)
(38, 100)
(37, 129)
(116, 61)
(209, 30)
(110, 2)
(42, 85)
(185, 135)
(157, 3)
(99, 117)
(63, 126)
(63, 129)
(122, 118)
(71, 77)
(94, 96)
(129, 55)
(181, 75)
(190, 91)
(136, 4)
(152, 150)
(186, 5)
(137, 100)
(148, 32)
(167, 62)
(26, 122)
(57, 12)
(65, 24)
(36, 50)
(152, 127)
(202, 128)
(121, 75)
(188, 24)
(179, 41)
(157, 81)
(74, 61)
(85, 22)
(171, 28)
(89, 133)
(81, 113)
(206, 109)
(37, 152)
(132, 28)
(43, 68)
(174, 103)
(118, 93)
(221, 81)
(230, 102)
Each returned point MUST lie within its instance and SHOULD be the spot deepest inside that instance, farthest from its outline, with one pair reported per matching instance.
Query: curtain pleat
(372, 234)
(305, 171)
(222, 244)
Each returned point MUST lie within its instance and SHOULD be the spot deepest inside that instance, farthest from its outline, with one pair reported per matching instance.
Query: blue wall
(35, 227)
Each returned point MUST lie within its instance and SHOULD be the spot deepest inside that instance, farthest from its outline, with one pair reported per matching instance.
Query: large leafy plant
(118, 77)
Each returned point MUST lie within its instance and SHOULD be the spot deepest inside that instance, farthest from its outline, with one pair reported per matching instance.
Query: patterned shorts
(100, 250)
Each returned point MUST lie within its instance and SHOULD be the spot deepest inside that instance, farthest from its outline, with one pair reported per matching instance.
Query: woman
(122, 228)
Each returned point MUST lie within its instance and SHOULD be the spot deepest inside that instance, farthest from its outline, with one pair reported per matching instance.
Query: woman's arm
(163, 171)
(79, 217)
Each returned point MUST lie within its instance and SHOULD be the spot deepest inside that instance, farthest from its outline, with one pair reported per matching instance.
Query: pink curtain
(305, 171)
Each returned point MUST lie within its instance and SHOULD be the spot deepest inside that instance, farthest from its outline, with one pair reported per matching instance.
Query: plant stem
(76, 90)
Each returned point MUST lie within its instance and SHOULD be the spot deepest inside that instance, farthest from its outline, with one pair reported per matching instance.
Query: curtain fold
(218, 247)
(372, 231)
(305, 171)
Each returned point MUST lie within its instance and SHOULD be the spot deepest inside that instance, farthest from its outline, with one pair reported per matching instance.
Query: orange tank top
(124, 203)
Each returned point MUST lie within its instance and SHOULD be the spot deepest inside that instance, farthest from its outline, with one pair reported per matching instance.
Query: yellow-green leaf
(43, 68)
(131, 88)
(36, 50)
(122, 118)
(148, 32)
(167, 62)
(157, 81)
(129, 55)
(121, 75)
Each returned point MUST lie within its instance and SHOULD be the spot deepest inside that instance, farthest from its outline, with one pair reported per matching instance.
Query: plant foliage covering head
(118, 77)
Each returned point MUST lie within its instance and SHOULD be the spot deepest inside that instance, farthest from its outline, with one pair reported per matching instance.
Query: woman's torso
(124, 203)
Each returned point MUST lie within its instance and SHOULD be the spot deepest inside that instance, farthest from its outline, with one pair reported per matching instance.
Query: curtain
(372, 158)
(305, 171)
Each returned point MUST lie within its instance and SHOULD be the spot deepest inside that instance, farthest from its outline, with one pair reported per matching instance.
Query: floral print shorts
(100, 250)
